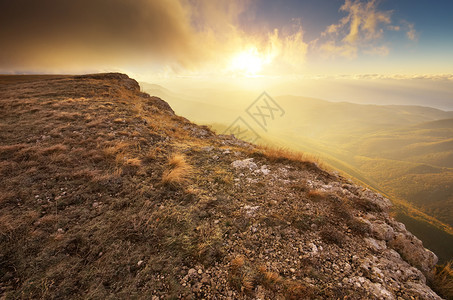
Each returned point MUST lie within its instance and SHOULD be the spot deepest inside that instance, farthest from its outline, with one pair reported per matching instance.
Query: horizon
(391, 48)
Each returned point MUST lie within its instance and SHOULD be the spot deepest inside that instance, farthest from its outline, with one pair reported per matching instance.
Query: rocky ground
(107, 194)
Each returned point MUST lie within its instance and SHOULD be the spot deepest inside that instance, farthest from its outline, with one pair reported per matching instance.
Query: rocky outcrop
(385, 260)
(121, 79)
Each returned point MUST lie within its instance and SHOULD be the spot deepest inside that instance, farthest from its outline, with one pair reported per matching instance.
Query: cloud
(49, 33)
(358, 30)
(411, 32)
(143, 35)
(173, 36)
(394, 27)
(433, 77)
(287, 48)
(332, 49)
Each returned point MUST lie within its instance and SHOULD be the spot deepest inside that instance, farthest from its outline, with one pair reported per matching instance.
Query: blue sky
(432, 22)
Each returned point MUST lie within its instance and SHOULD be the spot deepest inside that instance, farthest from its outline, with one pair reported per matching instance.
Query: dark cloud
(51, 33)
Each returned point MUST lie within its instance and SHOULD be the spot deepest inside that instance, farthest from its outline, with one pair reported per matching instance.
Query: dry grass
(153, 154)
(223, 177)
(131, 166)
(115, 149)
(268, 279)
(245, 276)
(280, 154)
(178, 171)
(317, 195)
(442, 280)
(237, 263)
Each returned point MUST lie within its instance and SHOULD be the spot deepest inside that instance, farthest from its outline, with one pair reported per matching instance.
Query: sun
(249, 62)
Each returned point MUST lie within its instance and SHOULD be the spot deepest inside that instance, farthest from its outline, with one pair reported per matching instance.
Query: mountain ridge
(108, 193)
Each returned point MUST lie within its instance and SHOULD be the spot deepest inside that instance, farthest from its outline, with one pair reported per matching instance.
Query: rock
(347, 268)
(250, 210)
(412, 250)
(205, 279)
(379, 291)
(419, 291)
(383, 203)
(243, 164)
(314, 249)
(265, 170)
(375, 244)
(207, 148)
(192, 272)
(382, 230)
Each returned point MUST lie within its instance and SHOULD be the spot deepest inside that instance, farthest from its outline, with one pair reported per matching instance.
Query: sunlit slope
(405, 151)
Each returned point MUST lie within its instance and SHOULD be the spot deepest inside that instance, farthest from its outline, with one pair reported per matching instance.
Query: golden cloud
(171, 36)
(156, 34)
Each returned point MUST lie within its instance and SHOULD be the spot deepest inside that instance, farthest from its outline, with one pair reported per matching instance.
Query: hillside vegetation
(107, 194)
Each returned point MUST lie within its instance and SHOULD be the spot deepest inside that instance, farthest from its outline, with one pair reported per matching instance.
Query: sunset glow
(206, 39)
(249, 62)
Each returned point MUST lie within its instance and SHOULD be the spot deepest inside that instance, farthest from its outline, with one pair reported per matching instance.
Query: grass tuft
(178, 171)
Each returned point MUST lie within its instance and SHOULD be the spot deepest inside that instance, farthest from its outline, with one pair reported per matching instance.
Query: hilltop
(106, 193)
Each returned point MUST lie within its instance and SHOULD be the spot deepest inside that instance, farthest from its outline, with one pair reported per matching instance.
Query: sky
(158, 40)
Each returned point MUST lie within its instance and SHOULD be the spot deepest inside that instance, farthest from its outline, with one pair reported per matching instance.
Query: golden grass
(134, 162)
(153, 154)
(276, 154)
(177, 161)
(443, 280)
(52, 149)
(115, 149)
(316, 195)
(247, 282)
(269, 279)
(179, 170)
(237, 262)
